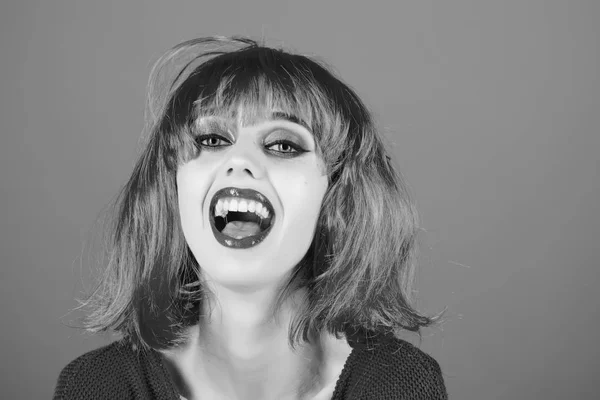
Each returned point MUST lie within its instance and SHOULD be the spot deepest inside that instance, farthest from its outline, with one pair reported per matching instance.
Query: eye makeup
(281, 137)
(289, 117)
(212, 125)
(285, 136)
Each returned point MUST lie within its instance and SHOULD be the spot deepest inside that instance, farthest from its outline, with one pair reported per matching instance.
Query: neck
(241, 327)
(241, 347)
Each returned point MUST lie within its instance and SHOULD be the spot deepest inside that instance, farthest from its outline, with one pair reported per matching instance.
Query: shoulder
(107, 372)
(395, 368)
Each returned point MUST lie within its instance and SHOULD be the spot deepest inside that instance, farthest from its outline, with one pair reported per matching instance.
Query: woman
(263, 247)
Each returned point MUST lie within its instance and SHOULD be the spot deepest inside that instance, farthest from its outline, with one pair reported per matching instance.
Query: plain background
(493, 108)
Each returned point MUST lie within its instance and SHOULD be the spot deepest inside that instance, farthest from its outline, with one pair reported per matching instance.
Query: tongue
(241, 229)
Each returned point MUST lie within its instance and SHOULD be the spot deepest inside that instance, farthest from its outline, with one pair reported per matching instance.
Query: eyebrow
(277, 115)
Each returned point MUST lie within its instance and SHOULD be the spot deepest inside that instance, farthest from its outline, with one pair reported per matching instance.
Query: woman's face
(250, 200)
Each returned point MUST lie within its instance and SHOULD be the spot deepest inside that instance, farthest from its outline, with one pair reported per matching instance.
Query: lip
(245, 193)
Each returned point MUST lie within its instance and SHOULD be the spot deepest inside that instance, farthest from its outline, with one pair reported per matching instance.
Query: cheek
(191, 191)
(301, 194)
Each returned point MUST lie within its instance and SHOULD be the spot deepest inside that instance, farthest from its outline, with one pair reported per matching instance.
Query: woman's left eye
(284, 147)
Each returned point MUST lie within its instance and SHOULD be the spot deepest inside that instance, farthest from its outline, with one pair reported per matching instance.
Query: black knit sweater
(384, 369)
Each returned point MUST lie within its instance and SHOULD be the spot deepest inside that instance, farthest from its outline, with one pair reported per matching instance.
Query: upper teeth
(224, 205)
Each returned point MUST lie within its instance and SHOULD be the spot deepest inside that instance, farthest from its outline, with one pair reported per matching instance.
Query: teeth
(225, 205)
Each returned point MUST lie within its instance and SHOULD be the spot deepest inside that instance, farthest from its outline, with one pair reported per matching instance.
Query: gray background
(494, 111)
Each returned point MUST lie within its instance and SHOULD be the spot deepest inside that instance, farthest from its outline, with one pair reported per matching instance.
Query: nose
(243, 163)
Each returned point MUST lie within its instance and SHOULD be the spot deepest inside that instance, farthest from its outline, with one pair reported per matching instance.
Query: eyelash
(296, 149)
(202, 138)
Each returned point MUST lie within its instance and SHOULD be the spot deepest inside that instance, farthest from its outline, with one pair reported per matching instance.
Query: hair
(359, 269)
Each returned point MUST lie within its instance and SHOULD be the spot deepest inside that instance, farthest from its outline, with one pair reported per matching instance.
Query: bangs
(253, 84)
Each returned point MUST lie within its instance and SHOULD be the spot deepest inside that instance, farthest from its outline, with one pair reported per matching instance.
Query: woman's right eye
(213, 141)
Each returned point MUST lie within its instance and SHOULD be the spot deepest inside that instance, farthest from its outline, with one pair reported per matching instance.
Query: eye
(285, 148)
(212, 141)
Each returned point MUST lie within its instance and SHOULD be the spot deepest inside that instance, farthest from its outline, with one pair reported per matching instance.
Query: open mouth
(240, 218)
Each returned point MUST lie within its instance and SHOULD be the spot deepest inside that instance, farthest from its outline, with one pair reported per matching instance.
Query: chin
(267, 264)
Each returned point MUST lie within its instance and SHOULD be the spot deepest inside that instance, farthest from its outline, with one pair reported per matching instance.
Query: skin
(238, 351)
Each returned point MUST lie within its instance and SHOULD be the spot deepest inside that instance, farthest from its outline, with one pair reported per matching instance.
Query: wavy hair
(359, 269)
